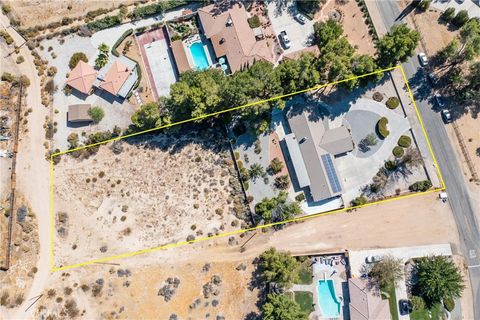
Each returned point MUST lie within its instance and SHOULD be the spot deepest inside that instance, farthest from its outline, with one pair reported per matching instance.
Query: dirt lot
(145, 193)
(434, 35)
(35, 12)
(352, 22)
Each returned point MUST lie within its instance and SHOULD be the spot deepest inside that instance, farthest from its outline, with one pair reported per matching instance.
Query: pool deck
(322, 271)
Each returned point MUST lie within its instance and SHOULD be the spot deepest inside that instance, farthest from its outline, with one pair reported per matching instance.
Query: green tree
(449, 51)
(147, 117)
(326, 32)
(96, 113)
(280, 307)
(75, 58)
(102, 57)
(279, 267)
(256, 171)
(470, 38)
(460, 18)
(387, 272)
(448, 14)
(397, 45)
(471, 92)
(438, 279)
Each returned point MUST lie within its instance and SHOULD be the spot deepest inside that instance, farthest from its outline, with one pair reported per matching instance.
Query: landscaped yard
(305, 272)
(392, 300)
(433, 313)
(304, 300)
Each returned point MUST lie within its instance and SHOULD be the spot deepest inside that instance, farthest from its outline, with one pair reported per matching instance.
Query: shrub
(417, 303)
(392, 102)
(275, 166)
(7, 77)
(24, 80)
(76, 57)
(424, 5)
(382, 127)
(448, 14)
(6, 8)
(96, 113)
(282, 182)
(51, 71)
(377, 96)
(420, 186)
(20, 59)
(254, 22)
(300, 197)
(258, 147)
(449, 304)
(390, 165)
(404, 141)
(358, 201)
(460, 18)
(104, 23)
(398, 152)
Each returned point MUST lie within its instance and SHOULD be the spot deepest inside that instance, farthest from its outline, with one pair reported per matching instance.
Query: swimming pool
(327, 300)
(199, 56)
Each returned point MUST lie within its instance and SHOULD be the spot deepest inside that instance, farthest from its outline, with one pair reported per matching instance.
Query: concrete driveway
(284, 20)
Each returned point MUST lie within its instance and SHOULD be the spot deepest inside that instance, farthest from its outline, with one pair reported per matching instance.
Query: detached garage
(78, 113)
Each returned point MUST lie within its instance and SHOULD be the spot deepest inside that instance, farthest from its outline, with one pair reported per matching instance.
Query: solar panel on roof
(331, 173)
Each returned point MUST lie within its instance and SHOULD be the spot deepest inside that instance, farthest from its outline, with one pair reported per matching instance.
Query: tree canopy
(438, 279)
(279, 267)
(388, 271)
(397, 45)
(281, 307)
(75, 58)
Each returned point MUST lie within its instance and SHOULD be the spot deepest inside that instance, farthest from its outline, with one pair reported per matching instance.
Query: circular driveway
(362, 123)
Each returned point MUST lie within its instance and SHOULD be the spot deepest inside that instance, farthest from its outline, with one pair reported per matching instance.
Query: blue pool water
(199, 56)
(329, 305)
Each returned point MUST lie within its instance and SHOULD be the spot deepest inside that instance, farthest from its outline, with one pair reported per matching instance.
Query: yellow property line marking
(235, 232)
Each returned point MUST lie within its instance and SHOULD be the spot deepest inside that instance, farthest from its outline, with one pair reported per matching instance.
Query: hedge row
(104, 23)
(421, 186)
(382, 127)
(119, 41)
(155, 8)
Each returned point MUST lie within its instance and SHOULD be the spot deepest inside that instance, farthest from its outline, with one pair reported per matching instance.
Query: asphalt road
(458, 195)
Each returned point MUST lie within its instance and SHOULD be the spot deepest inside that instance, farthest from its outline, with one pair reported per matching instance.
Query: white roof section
(297, 160)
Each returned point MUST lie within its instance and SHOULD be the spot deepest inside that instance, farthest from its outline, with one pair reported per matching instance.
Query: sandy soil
(434, 35)
(34, 12)
(353, 24)
(151, 194)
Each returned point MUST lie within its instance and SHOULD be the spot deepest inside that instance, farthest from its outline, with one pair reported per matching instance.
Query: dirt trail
(33, 171)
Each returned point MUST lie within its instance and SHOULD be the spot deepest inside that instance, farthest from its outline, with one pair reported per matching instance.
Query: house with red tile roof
(232, 37)
(82, 77)
(118, 78)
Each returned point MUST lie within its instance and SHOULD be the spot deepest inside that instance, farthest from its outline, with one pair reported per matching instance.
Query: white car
(373, 259)
(301, 18)
(284, 39)
(423, 59)
(439, 100)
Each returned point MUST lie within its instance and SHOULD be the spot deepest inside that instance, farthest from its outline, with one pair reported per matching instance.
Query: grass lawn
(304, 300)
(435, 312)
(392, 301)
(305, 272)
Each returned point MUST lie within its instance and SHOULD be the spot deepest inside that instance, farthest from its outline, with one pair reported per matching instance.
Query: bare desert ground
(143, 193)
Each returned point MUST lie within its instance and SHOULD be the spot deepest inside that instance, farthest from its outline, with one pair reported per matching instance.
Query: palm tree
(256, 170)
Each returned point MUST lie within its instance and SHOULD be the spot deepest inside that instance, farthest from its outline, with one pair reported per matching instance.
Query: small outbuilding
(78, 113)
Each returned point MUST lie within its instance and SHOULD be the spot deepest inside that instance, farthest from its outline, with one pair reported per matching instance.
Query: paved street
(459, 198)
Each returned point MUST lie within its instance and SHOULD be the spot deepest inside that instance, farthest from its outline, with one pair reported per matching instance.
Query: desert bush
(20, 59)
(358, 201)
(275, 166)
(96, 113)
(377, 96)
(8, 77)
(75, 58)
(382, 127)
(258, 147)
(254, 22)
(4, 298)
(6, 8)
(398, 152)
(420, 186)
(72, 140)
(51, 71)
(282, 182)
(392, 103)
(390, 165)
(404, 141)
(50, 86)
(300, 197)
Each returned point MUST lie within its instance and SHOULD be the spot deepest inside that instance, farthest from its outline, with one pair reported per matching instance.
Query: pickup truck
(284, 39)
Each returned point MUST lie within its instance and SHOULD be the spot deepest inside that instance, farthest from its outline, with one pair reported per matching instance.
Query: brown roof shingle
(180, 56)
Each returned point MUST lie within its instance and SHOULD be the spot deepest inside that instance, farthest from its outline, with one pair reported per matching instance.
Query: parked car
(373, 259)
(405, 307)
(301, 18)
(443, 196)
(422, 57)
(446, 116)
(284, 39)
(432, 78)
(439, 100)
